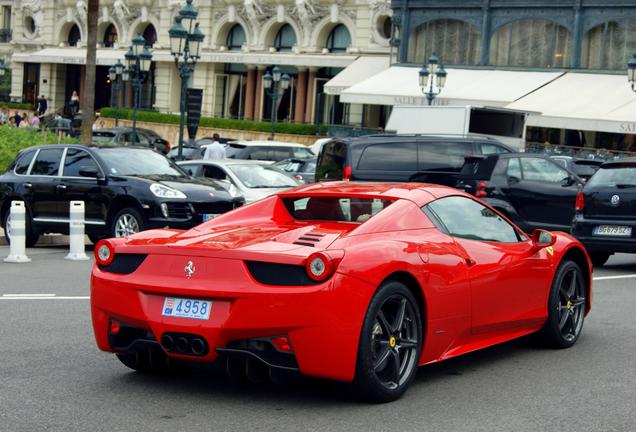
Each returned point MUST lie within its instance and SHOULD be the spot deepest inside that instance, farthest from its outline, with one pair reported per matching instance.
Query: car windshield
(259, 176)
(137, 162)
(616, 176)
(339, 209)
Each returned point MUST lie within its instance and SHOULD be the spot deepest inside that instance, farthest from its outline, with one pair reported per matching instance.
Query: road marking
(41, 297)
(628, 276)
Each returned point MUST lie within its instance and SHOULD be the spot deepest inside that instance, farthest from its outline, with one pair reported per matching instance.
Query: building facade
(310, 40)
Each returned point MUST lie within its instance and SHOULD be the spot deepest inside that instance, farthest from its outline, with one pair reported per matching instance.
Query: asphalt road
(53, 378)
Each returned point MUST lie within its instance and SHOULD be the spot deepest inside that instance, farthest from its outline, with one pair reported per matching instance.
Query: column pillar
(577, 36)
(301, 92)
(258, 99)
(309, 104)
(485, 34)
(250, 89)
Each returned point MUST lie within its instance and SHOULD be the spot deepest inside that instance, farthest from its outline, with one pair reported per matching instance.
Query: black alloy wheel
(566, 306)
(390, 344)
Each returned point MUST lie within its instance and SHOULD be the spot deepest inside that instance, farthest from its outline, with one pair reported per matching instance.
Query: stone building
(311, 40)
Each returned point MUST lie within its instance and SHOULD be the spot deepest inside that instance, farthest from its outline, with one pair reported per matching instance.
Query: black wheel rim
(571, 305)
(394, 341)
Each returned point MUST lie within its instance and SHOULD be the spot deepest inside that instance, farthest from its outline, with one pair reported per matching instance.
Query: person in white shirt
(214, 150)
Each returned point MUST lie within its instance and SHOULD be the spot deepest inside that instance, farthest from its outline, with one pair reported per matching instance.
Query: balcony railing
(5, 35)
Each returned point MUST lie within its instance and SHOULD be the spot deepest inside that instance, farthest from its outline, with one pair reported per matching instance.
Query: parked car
(605, 218)
(122, 136)
(273, 151)
(251, 179)
(302, 169)
(193, 149)
(125, 190)
(57, 124)
(584, 168)
(403, 158)
(531, 190)
(355, 282)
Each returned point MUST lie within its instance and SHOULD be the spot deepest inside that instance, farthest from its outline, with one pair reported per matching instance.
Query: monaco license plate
(613, 230)
(186, 308)
(210, 216)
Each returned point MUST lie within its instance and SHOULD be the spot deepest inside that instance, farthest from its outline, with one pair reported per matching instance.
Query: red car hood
(265, 241)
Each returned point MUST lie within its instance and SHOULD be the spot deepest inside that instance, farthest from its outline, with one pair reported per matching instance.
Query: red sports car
(357, 282)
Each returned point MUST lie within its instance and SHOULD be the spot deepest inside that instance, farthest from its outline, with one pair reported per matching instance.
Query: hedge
(16, 106)
(13, 139)
(218, 123)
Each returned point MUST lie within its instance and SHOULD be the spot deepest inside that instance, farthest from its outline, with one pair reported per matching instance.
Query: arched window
(609, 45)
(339, 39)
(150, 35)
(531, 43)
(236, 38)
(285, 38)
(110, 36)
(74, 36)
(454, 42)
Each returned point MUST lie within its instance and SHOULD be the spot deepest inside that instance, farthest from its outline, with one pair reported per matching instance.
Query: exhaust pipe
(168, 342)
(197, 346)
(182, 345)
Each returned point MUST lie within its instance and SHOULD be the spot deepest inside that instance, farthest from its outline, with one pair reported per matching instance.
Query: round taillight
(319, 266)
(104, 252)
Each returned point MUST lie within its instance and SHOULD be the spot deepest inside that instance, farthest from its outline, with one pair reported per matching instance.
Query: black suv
(125, 190)
(403, 158)
(531, 190)
(605, 218)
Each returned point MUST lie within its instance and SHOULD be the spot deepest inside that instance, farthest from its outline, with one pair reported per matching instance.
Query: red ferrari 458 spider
(357, 282)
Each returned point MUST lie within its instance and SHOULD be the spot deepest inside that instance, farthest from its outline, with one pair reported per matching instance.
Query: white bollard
(76, 232)
(17, 233)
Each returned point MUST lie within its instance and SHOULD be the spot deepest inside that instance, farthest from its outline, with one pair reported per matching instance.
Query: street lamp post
(432, 79)
(138, 60)
(631, 72)
(185, 46)
(275, 85)
(116, 75)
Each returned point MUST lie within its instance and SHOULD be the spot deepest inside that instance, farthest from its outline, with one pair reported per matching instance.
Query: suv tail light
(346, 173)
(580, 202)
(480, 191)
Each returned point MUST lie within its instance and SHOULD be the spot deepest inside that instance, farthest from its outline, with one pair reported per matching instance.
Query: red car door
(509, 280)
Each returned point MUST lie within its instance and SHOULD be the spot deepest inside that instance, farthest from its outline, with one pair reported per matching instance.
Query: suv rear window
(620, 176)
(47, 163)
(338, 209)
(331, 161)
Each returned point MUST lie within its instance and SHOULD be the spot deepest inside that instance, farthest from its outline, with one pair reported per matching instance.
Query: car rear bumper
(583, 230)
(322, 321)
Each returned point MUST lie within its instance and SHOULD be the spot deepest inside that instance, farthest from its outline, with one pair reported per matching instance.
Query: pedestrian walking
(42, 106)
(215, 150)
(74, 103)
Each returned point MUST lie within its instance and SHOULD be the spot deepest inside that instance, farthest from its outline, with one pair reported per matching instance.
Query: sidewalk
(49, 239)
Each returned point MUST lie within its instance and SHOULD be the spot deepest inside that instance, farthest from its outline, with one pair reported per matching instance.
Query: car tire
(126, 222)
(566, 306)
(390, 346)
(147, 361)
(599, 258)
(31, 237)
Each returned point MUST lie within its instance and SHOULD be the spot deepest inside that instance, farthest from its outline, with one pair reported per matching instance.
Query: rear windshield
(338, 209)
(477, 168)
(331, 161)
(618, 177)
(102, 136)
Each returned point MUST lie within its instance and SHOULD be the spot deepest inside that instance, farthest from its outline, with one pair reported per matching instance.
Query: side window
(214, 172)
(492, 149)
(279, 153)
(47, 162)
(299, 152)
(23, 162)
(75, 160)
(389, 157)
(466, 218)
(514, 169)
(443, 155)
(542, 170)
(190, 169)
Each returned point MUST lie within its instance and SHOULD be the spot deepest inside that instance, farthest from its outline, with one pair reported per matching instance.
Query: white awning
(364, 67)
(105, 57)
(399, 85)
(583, 101)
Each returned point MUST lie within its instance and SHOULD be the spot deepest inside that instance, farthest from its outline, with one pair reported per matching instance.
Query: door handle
(470, 262)
(61, 187)
(28, 186)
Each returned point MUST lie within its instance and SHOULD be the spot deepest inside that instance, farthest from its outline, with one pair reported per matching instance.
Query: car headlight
(162, 191)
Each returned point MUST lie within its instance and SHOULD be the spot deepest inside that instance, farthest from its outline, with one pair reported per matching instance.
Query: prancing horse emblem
(189, 269)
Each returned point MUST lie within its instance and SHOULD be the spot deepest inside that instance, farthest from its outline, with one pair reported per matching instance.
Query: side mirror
(542, 238)
(91, 172)
(567, 181)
